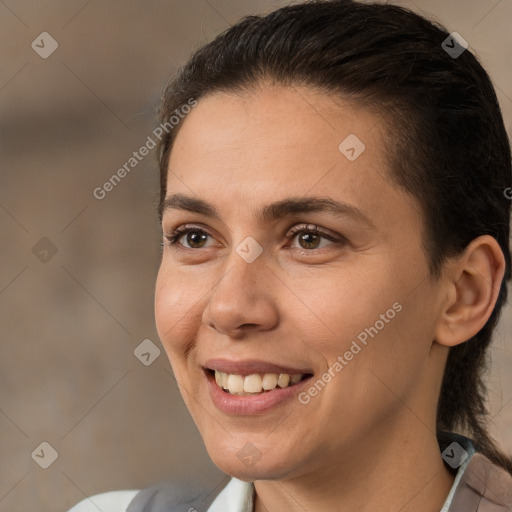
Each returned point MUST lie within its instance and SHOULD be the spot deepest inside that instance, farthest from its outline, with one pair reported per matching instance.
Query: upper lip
(250, 366)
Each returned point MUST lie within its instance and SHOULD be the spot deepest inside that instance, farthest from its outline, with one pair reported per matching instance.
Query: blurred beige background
(74, 306)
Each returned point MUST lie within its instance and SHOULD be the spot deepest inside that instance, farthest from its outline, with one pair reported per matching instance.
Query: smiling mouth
(256, 383)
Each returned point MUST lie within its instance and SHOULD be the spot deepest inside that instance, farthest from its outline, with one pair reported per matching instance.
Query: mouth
(253, 387)
(254, 384)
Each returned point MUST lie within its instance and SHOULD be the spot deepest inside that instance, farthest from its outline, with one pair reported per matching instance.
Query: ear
(473, 282)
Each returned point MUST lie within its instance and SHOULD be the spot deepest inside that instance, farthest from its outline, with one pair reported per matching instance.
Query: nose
(243, 300)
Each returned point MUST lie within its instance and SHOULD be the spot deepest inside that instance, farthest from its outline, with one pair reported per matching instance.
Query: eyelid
(315, 229)
(181, 230)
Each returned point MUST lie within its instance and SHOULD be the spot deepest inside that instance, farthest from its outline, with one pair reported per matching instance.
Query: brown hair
(448, 144)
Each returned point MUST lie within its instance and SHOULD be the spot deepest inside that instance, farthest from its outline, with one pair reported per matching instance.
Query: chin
(249, 463)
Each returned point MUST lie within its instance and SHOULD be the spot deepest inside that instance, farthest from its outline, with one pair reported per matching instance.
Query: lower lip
(247, 404)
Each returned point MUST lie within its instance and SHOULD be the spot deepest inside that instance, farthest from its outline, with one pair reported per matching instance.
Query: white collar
(237, 496)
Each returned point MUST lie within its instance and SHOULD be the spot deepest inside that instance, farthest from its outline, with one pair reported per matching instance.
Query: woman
(336, 223)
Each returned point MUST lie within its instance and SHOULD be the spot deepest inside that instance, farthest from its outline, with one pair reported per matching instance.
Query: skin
(367, 440)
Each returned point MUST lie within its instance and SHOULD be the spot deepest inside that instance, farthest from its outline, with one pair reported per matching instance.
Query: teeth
(295, 378)
(252, 383)
(235, 384)
(270, 381)
(255, 383)
(283, 380)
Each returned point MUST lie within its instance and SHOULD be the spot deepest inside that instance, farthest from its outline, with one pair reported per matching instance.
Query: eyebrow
(272, 211)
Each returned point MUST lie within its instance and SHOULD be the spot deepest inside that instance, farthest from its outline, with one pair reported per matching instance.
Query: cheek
(175, 310)
(372, 322)
(334, 309)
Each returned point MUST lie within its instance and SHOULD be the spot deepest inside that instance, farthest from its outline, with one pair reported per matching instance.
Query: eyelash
(172, 238)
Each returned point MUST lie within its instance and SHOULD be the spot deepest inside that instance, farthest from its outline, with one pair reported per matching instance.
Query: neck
(405, 473)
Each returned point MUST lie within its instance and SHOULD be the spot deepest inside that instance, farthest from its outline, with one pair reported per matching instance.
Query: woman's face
(252, 292)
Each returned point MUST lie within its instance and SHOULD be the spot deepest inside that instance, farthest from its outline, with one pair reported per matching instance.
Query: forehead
(274, 142)
(299, 121)
(273, 129)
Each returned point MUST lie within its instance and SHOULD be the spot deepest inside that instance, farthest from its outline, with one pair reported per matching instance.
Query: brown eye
(309, 237)
(309, 240)
(195, 237)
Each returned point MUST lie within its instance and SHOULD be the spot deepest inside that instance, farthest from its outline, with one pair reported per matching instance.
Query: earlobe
(473, 282)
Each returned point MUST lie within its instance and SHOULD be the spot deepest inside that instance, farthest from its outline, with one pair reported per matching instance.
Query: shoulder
(165, 496)
(483, 483)
(180, 494)
(116, 501)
